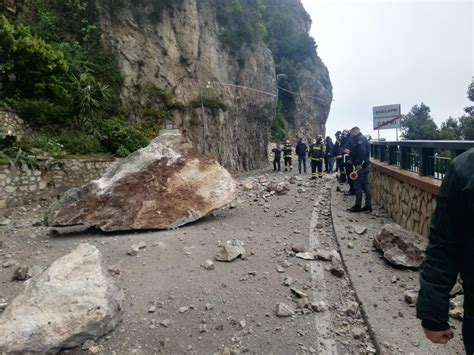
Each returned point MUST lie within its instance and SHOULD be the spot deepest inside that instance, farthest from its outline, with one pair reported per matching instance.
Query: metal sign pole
(396, 130)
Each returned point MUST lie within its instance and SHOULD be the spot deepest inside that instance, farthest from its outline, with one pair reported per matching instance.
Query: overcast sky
(394, 52)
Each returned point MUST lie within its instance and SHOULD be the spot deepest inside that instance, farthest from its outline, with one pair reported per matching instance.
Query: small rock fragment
(320, 306)
(133, 250)
(351, 309)
(360, 230)
(283, 310)
(358, 333)
(165, 323)
(20, 274)
(231, 250)
(298, 293)
(88, 344)
(306, 256)
(208, 265)
(410, 296)
(183, 309)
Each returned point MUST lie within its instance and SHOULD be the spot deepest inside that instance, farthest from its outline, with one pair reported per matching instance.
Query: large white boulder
(71, 301)
(165, 185)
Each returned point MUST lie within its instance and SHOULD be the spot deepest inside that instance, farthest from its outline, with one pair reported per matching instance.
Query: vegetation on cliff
(57, 75)
(246, 22)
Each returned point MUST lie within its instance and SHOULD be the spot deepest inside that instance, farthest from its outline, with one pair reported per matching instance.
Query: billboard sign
(387, 117)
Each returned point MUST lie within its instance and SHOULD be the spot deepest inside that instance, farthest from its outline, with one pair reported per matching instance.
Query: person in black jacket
(277, 157)
(316, 154)
(287, 151)
(301, 151)
(329, 159)
(347, 147)
(450, 252)
(359, 156)
(339, 155)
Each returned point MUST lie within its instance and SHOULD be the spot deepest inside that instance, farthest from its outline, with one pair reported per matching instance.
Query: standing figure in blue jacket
(360, 158)
(301, 151)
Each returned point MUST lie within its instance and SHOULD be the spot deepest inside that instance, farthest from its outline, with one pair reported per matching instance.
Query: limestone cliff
(313, 86)
(180, 50)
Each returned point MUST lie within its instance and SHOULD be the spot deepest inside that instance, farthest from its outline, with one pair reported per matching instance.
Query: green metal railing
(427, 158)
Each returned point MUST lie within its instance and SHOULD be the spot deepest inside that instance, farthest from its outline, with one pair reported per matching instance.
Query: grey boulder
(70, 302)
(401, 247)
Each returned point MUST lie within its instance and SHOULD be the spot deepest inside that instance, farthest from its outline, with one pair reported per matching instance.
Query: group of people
(350, 154)
(320, 153)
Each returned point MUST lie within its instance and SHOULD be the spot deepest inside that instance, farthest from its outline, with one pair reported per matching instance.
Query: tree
(470, 94)
(30, 67)
(450, 130)
(418, 124)
(466, 124)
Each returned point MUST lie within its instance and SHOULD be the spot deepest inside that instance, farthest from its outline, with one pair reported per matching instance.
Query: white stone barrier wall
(50, 179)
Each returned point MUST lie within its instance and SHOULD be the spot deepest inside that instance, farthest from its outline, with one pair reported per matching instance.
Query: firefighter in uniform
(317, 152)
(339, 155)
(287, 150)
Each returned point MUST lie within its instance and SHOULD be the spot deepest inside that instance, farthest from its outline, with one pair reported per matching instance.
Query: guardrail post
(392, 155)
(383, 149)
(427, 164)
(404, 151)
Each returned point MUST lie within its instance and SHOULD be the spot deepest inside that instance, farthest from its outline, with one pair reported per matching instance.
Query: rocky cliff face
(314, 98)
(179, 50)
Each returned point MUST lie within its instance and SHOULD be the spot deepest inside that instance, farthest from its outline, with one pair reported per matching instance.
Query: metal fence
(426, 158)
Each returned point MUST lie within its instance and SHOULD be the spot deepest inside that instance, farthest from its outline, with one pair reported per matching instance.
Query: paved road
(230, 309)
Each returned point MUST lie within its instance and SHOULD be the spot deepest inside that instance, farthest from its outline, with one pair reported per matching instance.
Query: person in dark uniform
(450, 252)
(287, 151)
(277, 157)
(316, 154)
(339, 156)
(301, 152)
(329, 158)
(360, 158)
(347, 146)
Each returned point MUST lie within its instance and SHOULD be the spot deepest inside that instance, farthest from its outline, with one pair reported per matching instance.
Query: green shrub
(43, 144)
(122, 151)
(118, 136)
(80, 143)
(39, 112)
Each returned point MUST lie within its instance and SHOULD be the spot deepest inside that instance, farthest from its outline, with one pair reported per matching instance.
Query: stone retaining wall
(11, 122)
(409, 199)
(52, 178)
